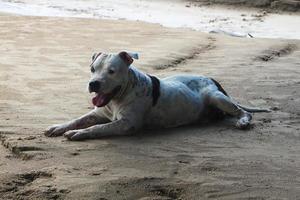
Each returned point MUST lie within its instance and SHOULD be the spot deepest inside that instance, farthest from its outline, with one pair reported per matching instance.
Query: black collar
(155, 89)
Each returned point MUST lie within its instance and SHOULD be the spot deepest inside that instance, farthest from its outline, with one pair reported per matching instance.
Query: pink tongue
(100, 100)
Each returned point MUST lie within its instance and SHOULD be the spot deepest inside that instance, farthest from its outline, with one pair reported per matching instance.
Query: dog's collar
(155, 89)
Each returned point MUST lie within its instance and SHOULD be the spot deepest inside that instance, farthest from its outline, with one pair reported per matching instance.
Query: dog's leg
(118, 127)
(224, 103)
(128, 122)
(82, 122)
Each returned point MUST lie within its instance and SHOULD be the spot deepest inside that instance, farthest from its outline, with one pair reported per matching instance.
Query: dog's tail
(253, 110)
(246, 108)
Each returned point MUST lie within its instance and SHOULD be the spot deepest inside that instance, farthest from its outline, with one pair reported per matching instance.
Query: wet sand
(271, 5)
(44, 69)
(239, 20)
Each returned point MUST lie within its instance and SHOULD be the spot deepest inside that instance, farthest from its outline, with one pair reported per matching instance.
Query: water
(167, 13)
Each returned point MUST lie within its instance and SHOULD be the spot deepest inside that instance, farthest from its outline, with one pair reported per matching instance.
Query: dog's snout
(94, 86)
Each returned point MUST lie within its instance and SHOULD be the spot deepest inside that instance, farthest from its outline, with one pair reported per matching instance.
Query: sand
(238, 20)
(44, 68)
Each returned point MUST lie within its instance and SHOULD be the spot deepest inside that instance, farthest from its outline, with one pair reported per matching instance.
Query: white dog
(127, 100)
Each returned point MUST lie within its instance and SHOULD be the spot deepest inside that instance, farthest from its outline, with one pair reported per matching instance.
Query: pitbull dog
(127, 100)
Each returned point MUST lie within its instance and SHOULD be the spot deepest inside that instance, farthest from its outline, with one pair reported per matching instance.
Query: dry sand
(43, 74)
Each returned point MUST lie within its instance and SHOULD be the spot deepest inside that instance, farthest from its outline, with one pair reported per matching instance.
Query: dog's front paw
(76, 135)
(55, 130)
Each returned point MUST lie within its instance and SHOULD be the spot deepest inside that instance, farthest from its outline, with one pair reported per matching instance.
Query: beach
(238, 17)
(272, 5)
(44, 70)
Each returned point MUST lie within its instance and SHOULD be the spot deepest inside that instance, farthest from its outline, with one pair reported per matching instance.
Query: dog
(127, 100)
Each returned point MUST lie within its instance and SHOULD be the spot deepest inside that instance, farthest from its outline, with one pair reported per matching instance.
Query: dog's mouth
(102, 99)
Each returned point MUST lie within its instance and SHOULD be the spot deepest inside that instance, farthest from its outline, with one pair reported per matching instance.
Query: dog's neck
(124, 90)
(136, 80)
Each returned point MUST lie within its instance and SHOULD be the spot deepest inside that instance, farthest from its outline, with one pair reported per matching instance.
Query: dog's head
(109, 75)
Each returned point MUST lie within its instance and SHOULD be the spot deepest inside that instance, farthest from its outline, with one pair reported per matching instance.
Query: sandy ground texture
(43, 74)
(238, 20)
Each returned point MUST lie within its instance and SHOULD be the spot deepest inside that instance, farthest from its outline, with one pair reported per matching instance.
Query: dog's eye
(110, 71)
(92, 69)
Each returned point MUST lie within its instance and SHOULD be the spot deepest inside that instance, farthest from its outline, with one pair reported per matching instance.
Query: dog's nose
(94, 86)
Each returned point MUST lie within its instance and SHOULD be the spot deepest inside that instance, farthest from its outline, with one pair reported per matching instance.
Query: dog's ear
(95, 55)
(134, 55)
(126, 57)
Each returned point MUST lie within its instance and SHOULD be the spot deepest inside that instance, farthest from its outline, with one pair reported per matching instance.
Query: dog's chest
(112, 111)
